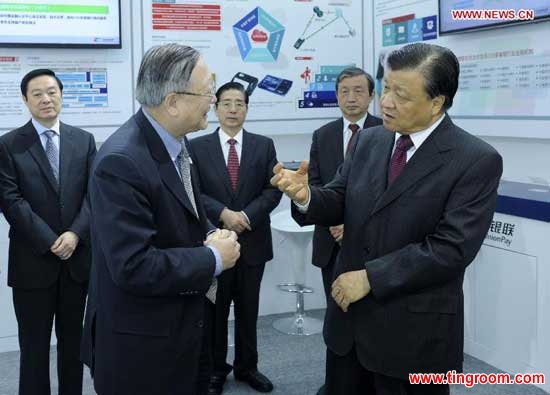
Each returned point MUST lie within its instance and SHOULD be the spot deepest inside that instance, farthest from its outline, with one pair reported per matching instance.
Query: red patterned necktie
(399, 157)
(233, 164)
(354, 129)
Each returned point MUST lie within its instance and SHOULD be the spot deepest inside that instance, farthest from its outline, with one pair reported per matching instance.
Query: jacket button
(200, 324)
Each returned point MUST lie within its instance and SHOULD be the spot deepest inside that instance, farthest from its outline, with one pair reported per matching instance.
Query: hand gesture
(234, 220)
(225, 242)
(292, 183)
(337, 232)
(65, 245)
(349, 287)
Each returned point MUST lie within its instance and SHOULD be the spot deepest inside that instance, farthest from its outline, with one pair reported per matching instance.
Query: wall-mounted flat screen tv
(60, 23)
(457, 16)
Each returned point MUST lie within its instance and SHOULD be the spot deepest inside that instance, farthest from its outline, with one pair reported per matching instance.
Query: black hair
(37, 73)
(231, 85)
(438, 65)
(354, 72)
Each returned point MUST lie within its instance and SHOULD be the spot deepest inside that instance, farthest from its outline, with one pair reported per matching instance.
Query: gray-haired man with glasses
(153, 256)
(234, 168)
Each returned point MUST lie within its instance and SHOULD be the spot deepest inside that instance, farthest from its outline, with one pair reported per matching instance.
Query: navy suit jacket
(415, 239)
(38, 210)
(325, 156)
(144, 319)
(254, 195)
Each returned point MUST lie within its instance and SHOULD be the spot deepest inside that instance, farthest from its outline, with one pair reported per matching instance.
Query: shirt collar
(419, 137)
(224, 137)
(40, 129)
(360, 122)
(172, 144)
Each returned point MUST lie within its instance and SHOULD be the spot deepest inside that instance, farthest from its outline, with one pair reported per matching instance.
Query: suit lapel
(247, 153)
(379, 174)
(218, 160)
(167, 170)
(427, 159)
(66, 149)
(32, 140)
(338, 144)
(369, 121)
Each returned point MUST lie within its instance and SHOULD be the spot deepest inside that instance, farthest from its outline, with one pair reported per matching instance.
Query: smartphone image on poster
(276, 85)
(248, 81)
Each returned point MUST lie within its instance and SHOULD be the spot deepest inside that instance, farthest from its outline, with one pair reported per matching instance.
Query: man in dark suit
(234, 168)
(417, 196)
(355, 91)
(329, 145)
(152, 259)
(44, 168)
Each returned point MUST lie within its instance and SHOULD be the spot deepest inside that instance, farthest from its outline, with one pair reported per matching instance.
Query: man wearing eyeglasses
(235, 169)
(153, 258)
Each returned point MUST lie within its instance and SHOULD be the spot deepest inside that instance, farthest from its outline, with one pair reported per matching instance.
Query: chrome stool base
(299, 324)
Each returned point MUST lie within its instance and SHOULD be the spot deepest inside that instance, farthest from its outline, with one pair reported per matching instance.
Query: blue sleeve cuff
(219, 266)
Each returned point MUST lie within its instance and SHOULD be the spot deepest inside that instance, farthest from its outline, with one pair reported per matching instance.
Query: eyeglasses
(227, 105)
(210, 95)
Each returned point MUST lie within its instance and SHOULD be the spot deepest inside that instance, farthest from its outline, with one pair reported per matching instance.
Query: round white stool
(296, 239)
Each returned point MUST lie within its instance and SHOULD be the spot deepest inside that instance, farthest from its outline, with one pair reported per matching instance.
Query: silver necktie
(185, 174)
(52, 153)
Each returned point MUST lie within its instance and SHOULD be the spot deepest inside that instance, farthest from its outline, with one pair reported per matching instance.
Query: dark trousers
(35, 310)
(328, 272)
(241, 284)
(206, 359)
(345, 375)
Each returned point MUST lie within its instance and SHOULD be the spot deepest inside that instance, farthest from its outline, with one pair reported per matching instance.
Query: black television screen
(457, 16)
(60, 23)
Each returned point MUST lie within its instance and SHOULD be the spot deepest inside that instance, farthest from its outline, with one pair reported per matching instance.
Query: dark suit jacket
(255, 195)
(415, 239)
(38, 211)
(144, 320)
(325, 156)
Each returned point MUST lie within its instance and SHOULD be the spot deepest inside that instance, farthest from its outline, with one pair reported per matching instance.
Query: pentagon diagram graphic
(259, 36)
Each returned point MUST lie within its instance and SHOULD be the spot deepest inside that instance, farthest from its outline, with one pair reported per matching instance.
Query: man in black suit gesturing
(153, 262)
(234, 168)
(44, 168)
(417, 196)
(329, 145)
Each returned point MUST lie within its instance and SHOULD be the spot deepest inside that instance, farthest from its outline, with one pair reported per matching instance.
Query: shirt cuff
(246, 217)
(219, 266)
(303, 207)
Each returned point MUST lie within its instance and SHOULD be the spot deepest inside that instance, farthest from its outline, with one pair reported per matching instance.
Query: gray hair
(164, 69)
(354, 72)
